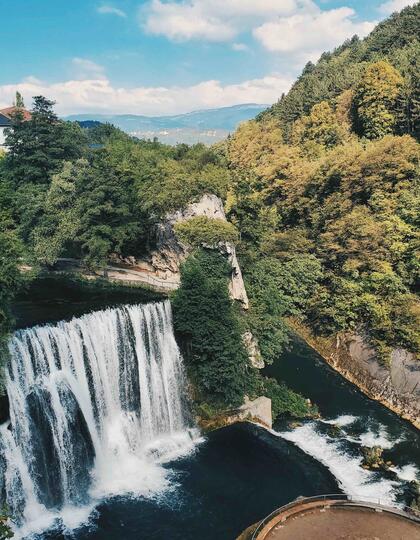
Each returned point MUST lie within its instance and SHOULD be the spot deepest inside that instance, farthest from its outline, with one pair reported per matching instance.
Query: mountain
(206, 126)
(394, 39)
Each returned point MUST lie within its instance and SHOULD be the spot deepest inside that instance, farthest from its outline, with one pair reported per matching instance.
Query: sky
(158, 57)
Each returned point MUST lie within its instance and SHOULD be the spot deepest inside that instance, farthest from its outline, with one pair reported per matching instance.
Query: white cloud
(395, 5)
(309, 34)
(84, 68)
(213, 20)
(240, 47)
(98, 95)
(186, 21)
(109, 10)
(297, 27)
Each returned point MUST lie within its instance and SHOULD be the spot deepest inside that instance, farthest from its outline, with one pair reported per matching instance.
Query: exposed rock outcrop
(373, 458)
(257, 410)
(253, 349)
(170, 253)
(163, 263)
(396, 386)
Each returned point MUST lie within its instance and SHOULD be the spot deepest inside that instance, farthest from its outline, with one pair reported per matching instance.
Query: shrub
(203, 231)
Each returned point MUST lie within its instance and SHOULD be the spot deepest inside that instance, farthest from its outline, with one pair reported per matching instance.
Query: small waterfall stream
(96, 404)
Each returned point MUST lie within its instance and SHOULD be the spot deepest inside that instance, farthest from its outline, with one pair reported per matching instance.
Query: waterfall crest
(95, 405)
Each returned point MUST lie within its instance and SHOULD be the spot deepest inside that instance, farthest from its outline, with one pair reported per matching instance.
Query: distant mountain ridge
(207, 126)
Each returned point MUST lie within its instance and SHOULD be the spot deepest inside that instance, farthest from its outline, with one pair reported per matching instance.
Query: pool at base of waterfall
(233, 478)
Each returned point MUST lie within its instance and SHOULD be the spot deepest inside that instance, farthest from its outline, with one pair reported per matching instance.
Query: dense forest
(327, 180)
(321, 192)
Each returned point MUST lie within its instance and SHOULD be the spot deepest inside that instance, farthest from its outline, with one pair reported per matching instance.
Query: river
(221, 483)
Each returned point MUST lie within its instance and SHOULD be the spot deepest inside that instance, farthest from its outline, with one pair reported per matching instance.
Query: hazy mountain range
(207, 126)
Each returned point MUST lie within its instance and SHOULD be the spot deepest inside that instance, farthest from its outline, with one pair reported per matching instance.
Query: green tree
(107, 212)
(320, 126)
(60, 221)
(376, 98)
(279, 289)
(201, 230)
(38, 146)
(19, 103)
(205, 323)
(10, 253)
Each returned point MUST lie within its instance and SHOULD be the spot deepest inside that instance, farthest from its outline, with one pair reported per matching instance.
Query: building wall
(2, 137)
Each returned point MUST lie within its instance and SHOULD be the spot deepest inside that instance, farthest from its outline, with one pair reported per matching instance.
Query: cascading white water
(95, 405)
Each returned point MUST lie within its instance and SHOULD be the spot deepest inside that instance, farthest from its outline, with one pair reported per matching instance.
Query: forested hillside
(394, 40)
(329, 175)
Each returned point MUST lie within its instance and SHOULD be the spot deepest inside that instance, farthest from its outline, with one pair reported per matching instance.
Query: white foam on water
(380, 438)
(407, 472)
(341, 421)
(68, 519)
(352, 478)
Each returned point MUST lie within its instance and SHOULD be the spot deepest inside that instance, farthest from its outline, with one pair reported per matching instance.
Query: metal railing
(349, 500)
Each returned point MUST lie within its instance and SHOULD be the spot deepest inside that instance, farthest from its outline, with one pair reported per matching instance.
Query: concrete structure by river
(336, 517)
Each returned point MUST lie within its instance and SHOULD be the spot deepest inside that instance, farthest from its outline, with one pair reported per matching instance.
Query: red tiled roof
(10, 111)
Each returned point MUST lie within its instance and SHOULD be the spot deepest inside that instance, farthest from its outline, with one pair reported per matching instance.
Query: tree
(321, 127)
(10, 252)
(205, 322)
(201, 230)
(38, 146)
(60, 221)
(408, 101)
(376, 98)
(19, 103)
(279, 289)
(108, 214)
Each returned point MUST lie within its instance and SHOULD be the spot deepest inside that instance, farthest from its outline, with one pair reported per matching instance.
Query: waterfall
(96, 405)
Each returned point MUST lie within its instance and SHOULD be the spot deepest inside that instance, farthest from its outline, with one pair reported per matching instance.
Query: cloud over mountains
(100, 95)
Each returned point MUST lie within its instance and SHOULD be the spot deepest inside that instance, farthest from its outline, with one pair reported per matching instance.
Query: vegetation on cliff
(201, 230)
(348, 70)
(210, 328)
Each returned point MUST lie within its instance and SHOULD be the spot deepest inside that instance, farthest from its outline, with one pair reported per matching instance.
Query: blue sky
(169, 56)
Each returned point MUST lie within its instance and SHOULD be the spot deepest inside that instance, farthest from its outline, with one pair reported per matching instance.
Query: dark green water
(50, 299)
(239, 474)
(235, 477)
(363, 422)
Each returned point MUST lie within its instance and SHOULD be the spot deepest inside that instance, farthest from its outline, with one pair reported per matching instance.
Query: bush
(203, 231)
(285, 401)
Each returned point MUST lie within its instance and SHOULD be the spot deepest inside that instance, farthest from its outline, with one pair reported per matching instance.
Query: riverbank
(355, 360)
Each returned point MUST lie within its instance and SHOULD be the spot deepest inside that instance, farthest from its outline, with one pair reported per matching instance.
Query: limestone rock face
(396, 386)
(162, 266)
(251, 344)
(258, 410)
(170, 253)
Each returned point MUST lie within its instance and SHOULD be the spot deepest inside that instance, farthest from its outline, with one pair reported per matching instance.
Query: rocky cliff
(162, 266)
(396, 386)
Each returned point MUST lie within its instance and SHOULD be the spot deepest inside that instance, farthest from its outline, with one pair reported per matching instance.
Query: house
(6, 116)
